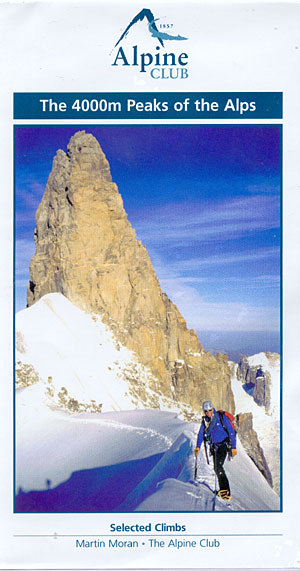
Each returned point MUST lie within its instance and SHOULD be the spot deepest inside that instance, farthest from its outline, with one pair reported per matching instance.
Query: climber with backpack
(218, 432)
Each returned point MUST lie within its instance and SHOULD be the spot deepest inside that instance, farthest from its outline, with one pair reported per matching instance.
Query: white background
(233, 47)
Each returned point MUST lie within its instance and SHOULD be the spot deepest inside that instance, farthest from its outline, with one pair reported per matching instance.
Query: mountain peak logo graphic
(155, 33)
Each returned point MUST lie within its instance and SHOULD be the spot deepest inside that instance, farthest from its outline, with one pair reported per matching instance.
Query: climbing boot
(224, 494)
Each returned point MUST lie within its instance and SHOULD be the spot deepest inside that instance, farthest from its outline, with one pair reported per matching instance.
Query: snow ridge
(79, 361)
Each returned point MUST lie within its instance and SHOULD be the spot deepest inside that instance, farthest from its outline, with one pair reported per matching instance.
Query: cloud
(223, 220)
(195, 296)
(21, 283)
(24, 250)
(254, 282)
(29, 195)
(264, 188)
(226, 259)
(219, 316)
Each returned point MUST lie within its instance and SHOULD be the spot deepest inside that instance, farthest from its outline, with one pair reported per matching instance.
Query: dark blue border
(14, 323)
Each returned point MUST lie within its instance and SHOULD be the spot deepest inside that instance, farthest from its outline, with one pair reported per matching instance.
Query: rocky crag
(259, 392)
(257, 381)
(87, 250)
(250, 442)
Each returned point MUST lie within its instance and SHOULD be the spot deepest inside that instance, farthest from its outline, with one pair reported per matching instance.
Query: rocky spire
(87, 250)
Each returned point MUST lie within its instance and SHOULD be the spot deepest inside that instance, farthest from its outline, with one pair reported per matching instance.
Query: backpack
(230, 417)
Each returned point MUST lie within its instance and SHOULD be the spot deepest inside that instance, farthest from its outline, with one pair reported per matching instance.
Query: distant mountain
(237, 344)
(234, 356)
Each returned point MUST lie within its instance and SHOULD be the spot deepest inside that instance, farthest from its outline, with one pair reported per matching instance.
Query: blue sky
(205, 200)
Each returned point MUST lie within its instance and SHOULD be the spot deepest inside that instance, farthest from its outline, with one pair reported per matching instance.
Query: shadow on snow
(95, 490)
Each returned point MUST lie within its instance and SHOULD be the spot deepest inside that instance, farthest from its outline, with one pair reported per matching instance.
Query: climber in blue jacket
(217, 431)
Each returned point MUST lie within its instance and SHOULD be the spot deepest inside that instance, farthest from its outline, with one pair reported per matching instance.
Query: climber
(217, 430)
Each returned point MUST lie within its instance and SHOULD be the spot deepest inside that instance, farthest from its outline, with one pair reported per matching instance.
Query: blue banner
(179, 105)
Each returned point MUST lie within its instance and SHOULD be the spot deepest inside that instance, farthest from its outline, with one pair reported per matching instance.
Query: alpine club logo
(155, 33)
(160, 65)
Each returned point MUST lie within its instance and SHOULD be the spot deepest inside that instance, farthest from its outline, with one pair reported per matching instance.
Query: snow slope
(267, 425)
(120, 461)
(81, 356)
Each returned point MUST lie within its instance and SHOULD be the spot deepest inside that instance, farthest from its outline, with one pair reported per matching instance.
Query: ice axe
(196, 468)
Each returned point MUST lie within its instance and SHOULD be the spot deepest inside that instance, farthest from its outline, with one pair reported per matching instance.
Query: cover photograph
(149, 230)
(107, 373)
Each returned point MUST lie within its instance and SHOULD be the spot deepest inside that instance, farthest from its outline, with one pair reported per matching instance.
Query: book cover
(149, 285)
